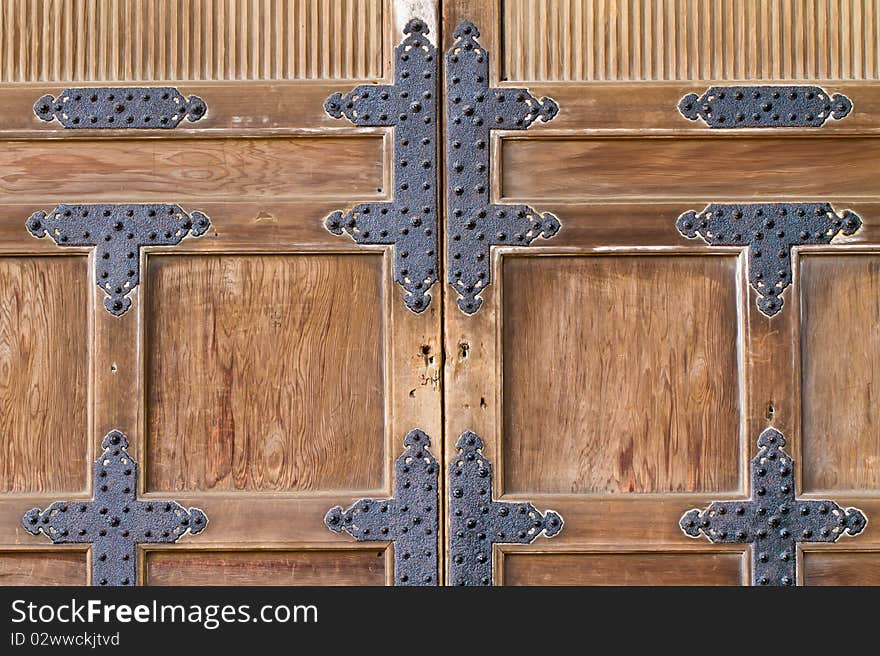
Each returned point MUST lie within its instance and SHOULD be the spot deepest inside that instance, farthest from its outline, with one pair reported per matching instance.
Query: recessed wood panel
(623, 569)
(691, 39)
(160, 170)
(62, 40)
(710, 168)
(840, 364)
(841, 568)
(44, 373)
(620, 374)
(265, 372)
(43, 568)
(342, 567)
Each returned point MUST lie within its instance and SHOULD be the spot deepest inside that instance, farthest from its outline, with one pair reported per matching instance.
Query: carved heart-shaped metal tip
(851, 222)
(195, 109)
(36, 224)
(551, 225)
(416, 438)
(687, 224)
(416, 302)
(855, 521)
(333, 105)
(117, 305)
(470, 305)
(200, 223)
(770, 438)
(43, 108)
(334, 222)
(690, 523)
(769, 305)
(333, 519)
(689, 106)
(549, 109)
(198, 520)
(416, 25)
(466, 30)
(841, 106)
(114, 440)
(552, 523)
(31, 521)
(469, 441)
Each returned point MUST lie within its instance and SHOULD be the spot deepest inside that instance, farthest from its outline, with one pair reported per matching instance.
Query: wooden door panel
(840, 338)
(654, 340)
(622, 568)
(842, 568)
(267, 370)
(56, 567)
(44, 374)
(720, 169)
(619, 373)
(246, 370)
(267, 567)
(195, 170)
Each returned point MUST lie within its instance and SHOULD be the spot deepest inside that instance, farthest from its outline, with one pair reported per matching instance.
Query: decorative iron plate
(116, 521)
(409, 222)
(477, 522)
(773, 520)
(768, 230)
(117, 232)
(765, 107)
(120, 107)
(409, 519)
(474, 224)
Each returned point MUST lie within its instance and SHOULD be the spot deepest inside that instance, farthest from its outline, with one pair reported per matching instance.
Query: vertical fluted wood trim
(560, 40)
(144, 40)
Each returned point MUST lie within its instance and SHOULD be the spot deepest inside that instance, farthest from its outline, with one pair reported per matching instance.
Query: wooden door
(620, 373)
(266, 370)
(600, 354)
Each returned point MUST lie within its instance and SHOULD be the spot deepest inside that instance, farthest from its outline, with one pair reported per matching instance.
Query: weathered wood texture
(623, 569)
(618, 374)
(586, 40)
(44, 373)
(341, 567)
(767, 168)
(57, 567)
(841, 568)
(265, 372)
(637, 357)
(149, 40)
(840, 340)
(157, 170)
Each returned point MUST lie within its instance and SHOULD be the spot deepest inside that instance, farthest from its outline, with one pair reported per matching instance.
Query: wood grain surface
(152, 40)
(637, 357)
(623, 569)
(841, 568)
(166, 170)
(840, 340)
(340, 567)
(56, 567)
(44, 373)
(619, 374)
(760, 169)
(586, 40)
(265, 372)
